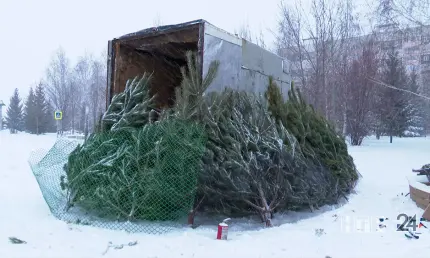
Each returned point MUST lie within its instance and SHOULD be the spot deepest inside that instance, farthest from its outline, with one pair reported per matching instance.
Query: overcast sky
(32, 30)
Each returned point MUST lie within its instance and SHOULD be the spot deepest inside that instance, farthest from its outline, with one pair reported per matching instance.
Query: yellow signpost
(58, 115)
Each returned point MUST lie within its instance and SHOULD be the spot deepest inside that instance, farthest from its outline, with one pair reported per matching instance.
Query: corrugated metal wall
(243, 65)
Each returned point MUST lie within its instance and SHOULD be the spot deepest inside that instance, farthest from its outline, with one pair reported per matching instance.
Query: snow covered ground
(384, 167)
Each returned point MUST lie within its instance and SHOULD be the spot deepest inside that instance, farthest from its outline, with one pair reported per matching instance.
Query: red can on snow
(222, 230)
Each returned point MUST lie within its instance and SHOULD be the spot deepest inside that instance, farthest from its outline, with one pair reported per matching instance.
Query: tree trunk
(193, 212)
(267, 218)
(391, 138)
(73, 119)
(345, 117)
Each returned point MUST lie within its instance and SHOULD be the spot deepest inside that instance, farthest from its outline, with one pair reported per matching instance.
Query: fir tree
(317, 139)
(4, 123)
(393, 106)
(132, 108)
(251, 161)
(29, 112)
(416, 108)
(41, 118)
(38, 114)
(14, 113)
(50, 122)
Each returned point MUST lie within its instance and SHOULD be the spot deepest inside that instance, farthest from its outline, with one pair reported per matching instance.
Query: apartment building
(412, 44)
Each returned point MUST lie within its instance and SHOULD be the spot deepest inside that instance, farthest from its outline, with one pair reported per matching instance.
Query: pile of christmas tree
(135, 168)
(231, 152)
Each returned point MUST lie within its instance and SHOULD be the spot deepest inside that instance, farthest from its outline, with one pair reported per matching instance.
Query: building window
(425, 58)
(285, 66)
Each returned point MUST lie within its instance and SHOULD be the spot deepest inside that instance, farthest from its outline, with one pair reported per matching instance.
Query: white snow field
(384, 167)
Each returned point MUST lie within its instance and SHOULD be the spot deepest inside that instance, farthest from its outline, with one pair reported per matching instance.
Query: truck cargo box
(161, 51)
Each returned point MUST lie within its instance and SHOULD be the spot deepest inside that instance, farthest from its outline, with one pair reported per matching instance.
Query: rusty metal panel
(161, 30)
(200, 47)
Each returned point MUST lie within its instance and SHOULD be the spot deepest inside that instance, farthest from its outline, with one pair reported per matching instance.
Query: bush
(148, 173)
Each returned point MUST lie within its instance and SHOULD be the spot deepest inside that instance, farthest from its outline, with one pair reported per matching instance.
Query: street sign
(58, 115)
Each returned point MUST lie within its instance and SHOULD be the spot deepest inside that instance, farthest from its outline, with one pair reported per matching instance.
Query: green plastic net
(137, 180)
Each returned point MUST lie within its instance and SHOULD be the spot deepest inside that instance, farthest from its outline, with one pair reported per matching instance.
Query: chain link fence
(137, 180)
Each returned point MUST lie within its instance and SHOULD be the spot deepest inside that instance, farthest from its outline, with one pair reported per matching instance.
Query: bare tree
(360, 97)
(58, 84)
(97, 91)
(82, 76)
(409, 12)
(245, 32)
(75, 95)
(290, 44)
(324, 37)
(349, 29)
(312, 41)
(157, 21)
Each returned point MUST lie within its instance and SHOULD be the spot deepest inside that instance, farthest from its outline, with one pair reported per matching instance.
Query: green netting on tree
(229, 152)
(47, 167)
(143, 174)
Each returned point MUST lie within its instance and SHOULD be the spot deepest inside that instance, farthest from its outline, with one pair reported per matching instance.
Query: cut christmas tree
(240, 152)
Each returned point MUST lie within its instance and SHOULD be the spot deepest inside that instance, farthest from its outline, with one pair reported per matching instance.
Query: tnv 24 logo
(370, 224)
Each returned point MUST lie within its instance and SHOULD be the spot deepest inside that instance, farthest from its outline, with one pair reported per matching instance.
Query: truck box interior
(160, 51)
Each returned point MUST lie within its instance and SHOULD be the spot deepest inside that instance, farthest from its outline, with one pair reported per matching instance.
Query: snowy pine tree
(51, 126)
(394, 110)
(29, 112)
(14, 113)
(416, 107)
(43, 118)
(132, 108)
(38, 115)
